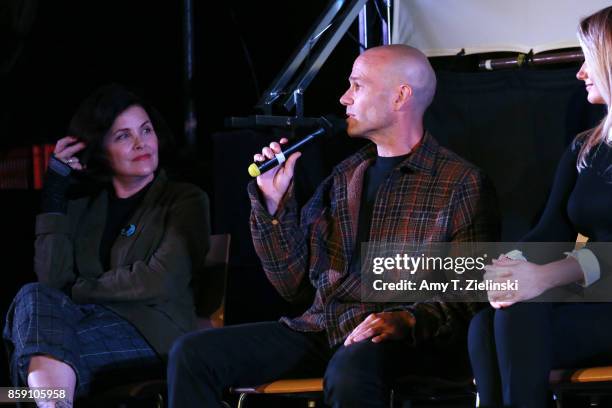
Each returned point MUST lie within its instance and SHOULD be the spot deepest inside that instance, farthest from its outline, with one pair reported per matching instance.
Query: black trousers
(512, 350)
(203, 364)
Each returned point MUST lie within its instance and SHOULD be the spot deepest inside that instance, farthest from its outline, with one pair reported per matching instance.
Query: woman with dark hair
(514, 346)
(115, 265)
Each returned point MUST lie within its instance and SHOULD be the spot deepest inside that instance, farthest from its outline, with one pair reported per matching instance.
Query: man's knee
(182, 350)
(339, 383)
(352, 370)
(199, 349)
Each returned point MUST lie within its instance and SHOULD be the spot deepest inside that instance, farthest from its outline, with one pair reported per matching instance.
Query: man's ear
(402, 96)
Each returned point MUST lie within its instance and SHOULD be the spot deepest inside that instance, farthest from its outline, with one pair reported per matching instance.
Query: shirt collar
(421, 159)
(423, 156)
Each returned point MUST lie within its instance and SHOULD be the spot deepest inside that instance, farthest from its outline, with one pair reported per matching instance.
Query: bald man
(402, 187)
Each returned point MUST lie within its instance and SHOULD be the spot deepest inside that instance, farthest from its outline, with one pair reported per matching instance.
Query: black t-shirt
(374, 176)
(118, 214)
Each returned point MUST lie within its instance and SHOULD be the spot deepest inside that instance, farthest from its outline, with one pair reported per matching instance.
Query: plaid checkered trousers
(90, 338)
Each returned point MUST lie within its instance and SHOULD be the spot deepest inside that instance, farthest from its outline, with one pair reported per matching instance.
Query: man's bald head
(404, 65)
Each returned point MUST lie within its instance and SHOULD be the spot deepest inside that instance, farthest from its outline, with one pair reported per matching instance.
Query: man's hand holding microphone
(274, 183)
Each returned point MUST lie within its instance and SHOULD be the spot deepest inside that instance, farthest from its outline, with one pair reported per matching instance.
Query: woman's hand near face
(65, 150)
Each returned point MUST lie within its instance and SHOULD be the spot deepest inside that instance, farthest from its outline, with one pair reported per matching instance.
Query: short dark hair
(94, 118)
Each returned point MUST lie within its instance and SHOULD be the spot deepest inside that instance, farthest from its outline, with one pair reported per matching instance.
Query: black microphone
(257, 169)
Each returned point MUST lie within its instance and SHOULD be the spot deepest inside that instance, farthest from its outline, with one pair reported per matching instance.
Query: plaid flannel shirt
(431, 196)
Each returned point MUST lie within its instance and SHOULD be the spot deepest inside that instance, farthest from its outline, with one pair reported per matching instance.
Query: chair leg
(241, 400)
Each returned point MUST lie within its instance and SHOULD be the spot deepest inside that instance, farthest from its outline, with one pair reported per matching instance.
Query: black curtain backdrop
(514, 125)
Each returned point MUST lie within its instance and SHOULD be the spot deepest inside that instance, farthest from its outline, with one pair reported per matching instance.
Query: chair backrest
(210, 290)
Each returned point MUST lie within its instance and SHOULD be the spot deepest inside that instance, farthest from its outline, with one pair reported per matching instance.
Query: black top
(374, 176)
(580, 202)
(118, 214)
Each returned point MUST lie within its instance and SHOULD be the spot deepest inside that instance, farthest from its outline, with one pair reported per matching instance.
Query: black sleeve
(57, 182)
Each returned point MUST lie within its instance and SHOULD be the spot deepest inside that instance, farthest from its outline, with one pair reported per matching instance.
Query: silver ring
(70, 160)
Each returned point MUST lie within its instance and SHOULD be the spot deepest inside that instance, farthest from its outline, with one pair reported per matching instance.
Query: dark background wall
(514, 124)
(72, 46)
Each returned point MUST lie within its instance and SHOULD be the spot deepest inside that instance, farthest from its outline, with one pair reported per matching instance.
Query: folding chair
(407, 390)
(593, 382)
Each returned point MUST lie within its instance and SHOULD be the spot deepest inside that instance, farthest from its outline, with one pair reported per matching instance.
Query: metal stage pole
(386, 25)
(363, 29)
(191, 122)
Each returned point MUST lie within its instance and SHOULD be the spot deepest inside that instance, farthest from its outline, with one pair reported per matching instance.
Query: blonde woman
(514, 346)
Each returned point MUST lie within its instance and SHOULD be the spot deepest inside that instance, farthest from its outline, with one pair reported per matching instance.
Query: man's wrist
(275, 201)
(271, 205)
(407, 317)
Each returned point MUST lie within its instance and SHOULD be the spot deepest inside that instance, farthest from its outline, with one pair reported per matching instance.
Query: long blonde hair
(595, 36)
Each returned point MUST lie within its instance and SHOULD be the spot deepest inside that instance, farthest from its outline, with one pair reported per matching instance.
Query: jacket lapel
(91, 228)
(88, 237)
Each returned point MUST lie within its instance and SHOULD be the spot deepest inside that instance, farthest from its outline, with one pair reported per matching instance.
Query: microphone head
(254, 170)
